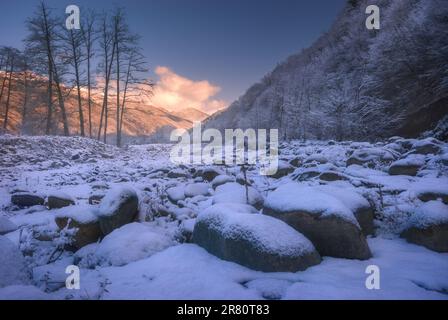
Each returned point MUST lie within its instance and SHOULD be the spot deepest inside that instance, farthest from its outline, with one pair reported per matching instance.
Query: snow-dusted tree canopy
(355, 83)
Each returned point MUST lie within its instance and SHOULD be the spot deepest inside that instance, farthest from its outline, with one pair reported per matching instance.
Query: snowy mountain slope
(139, 119)
(353, 83)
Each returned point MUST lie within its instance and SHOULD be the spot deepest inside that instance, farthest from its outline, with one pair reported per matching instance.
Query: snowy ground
(150, 259)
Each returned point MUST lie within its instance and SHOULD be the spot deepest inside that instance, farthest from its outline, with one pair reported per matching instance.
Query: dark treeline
(102, 57)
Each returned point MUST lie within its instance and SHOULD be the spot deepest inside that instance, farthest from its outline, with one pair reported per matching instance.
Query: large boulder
(283, 169)
(84, 220)
(13, 270)
(237, 233)
(24, 200)
(197, 189)
(321, 217)
(371, 156)
(119, 207)
(408, 166)
(361, 208)
(131, 242)
(426, 196)
(236, 193)
(176, 193)
(6, 226)
(57, 201)
(221, 179)
(429, 227)
(426, 146)
(208, 173)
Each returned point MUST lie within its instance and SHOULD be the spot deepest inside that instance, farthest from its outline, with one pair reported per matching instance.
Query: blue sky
(231, 43)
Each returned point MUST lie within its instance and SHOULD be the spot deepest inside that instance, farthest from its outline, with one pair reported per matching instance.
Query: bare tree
(42, 46)
(13, 59)
(26, 79)
(130, 59)
(73, 40)
(89, 36)
(5, 56)
(108, 47)
(136, 86)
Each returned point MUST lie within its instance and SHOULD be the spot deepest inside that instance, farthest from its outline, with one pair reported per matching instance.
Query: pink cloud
(175, 92)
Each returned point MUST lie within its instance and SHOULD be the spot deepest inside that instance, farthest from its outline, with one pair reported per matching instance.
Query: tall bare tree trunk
(89, 97)
(50, 71)
(5, 121)
(25, 100)
(78, 84)
(61, 102)
(118, 90)
(4, 78)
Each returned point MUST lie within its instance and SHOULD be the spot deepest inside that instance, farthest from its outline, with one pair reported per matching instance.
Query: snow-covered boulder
(59, 200)
(119, 207)
(428, 195)
(283, 169)
(236, 193)
(197, 189)
(6, 226)
(408, 166)
(360, 207)
(24, 200)
(131, 242)
(316, 158)
(221, 179)
(371, 156)
(13, 269)
(324, 219)
(332, 176)
(208, 173)
(237, 233)
(177, 173)
(429, 227)
(176, 194)
(84, 220)
(426, 146)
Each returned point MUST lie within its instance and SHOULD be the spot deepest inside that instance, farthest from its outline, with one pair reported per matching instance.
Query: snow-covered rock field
(126, 217)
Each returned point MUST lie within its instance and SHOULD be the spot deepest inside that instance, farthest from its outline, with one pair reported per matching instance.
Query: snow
(186, 271)
(22, 292)
(60, 195)
(12, 269)
(236, 193)
(176, 193)
(295, 197)
(430, 213)
(131, 242)
(430, 185)
(197, 189)
(189, 272)
(346, 194)
(6, 226)
(411, 160)
(269, 234)
(221, 179)
(82, 213)
(113, 199)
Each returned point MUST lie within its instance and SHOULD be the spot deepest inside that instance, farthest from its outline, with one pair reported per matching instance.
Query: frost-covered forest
(355, 83)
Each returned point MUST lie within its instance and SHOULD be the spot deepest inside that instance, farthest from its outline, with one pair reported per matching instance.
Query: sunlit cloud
(175, 92)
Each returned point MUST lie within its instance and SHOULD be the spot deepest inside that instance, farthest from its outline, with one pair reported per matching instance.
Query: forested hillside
(355, 83)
